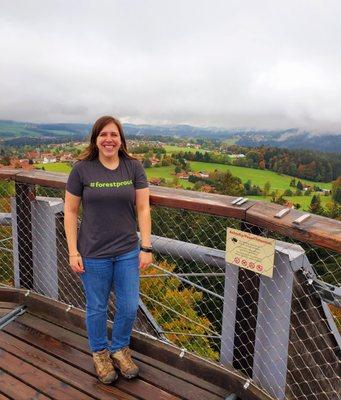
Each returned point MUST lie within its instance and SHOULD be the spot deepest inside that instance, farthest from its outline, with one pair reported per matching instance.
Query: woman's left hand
(145, 259)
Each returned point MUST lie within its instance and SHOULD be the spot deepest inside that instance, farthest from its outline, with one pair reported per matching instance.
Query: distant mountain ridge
(12, 132)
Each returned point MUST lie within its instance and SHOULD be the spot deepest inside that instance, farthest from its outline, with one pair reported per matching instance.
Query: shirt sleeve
(74, 183)
(140, 178)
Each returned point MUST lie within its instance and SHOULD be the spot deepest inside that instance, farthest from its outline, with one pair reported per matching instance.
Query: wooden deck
(43, 356)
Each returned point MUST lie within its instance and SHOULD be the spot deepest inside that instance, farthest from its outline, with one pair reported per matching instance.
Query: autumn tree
(175, 308)
(336, 190)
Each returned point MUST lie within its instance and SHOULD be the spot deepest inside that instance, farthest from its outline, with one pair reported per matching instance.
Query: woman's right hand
(76, 264)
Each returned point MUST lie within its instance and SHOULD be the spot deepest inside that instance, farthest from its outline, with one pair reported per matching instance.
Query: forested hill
(12, 132)
(292, 139)
(304, 164)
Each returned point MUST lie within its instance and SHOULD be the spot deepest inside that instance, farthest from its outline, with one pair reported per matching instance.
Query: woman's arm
(144, 220)
(71, 208)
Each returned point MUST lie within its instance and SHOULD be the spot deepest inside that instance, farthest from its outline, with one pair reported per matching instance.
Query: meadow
(55, 167)
(178, 149)
(257, 177)
(304, 201)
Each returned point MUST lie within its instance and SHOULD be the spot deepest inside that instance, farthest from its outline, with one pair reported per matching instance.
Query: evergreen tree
(266, 189)
(315, 205)
(299, 185)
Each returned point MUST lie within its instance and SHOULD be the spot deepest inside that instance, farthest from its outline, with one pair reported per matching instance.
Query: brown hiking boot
(122, 361)
(103, 365)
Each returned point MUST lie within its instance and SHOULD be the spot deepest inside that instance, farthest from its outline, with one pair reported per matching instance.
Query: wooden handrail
(316, 230)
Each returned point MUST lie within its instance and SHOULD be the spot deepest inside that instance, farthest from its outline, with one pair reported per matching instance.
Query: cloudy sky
(224, 63)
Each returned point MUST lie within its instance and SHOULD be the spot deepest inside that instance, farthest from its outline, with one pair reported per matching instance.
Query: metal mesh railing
(191, 300)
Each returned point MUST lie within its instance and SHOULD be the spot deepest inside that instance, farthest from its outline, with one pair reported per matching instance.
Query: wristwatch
(146, 249)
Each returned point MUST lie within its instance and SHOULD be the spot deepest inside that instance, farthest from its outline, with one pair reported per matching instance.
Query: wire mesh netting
(191, 299)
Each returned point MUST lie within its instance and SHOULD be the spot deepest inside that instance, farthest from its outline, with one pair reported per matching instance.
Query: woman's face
(109, 141)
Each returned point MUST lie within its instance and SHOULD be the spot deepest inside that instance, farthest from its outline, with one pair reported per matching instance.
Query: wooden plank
(208, 203)
(38, 379)
(215, 375)
(8, 305)
(321, 231)
(3, 397)
(3, 312)
(43, 178)
(140, 388)
(317, 230)
(35, 377)
(225, 377)
(45, 307)
(81, 343)
(69, 375)
(9, 173)
(192, 379)
(18, 390)
(12, 295)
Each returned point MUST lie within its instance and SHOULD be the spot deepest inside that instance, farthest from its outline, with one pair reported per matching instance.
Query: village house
(16, 163)
(200, 174)
(154, 161)
(183, 175)
(155, 181)
(66, 157)
(48, 158)
(237, 155)
(31, 155)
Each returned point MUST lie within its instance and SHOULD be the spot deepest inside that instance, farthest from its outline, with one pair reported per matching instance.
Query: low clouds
(263, 64)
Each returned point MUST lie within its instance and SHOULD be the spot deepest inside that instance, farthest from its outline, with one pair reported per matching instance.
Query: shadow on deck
(44, 355)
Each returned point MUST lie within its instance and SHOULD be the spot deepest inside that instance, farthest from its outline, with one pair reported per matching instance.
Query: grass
(55, 167)
(257, 176)
(304, 201)
(177, 149)
(231, 141)
(166, 172)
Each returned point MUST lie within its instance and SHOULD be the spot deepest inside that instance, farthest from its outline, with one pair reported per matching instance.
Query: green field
(231, 141)
(177, 149)
(55, 167)
(168, 174)
(258, 177)
(18, 129)
(304, 201)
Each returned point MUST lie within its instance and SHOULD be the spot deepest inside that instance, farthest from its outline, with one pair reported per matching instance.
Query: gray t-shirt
(108, 226)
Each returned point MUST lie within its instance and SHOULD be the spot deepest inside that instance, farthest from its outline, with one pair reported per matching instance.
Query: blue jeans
(101, 275)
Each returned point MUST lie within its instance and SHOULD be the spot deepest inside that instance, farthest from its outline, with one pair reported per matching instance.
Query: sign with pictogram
(249, 251)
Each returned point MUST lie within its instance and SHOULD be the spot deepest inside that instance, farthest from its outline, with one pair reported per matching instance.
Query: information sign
(249, 251)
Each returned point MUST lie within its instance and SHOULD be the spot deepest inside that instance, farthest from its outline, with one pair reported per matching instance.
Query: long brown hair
(91, 152)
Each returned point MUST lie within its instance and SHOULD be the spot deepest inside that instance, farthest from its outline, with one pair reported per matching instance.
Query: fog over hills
(12, 132)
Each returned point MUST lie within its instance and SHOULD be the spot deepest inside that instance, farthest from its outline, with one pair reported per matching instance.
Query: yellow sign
(252, 252)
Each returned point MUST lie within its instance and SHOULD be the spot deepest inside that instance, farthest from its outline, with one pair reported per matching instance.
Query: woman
(109, 183)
